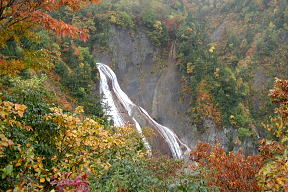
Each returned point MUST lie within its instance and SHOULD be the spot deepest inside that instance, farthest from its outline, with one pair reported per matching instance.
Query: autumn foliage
(8, 113)
(83, 147)
(279, 95)
(28, 11)
(20, 19)
(273, 175)
(230, 172)
(264, 172)
(46, 148)
(206, 107)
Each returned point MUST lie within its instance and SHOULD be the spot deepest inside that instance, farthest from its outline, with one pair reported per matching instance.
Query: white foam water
(111, 91)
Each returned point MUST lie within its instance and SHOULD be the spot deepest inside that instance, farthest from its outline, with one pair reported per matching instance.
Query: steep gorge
(152, 80)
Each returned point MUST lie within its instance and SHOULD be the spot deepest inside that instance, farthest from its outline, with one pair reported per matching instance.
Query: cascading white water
(114, 92)
(106, 72)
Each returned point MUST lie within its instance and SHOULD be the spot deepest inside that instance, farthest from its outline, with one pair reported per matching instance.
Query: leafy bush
(229, 172)
(149, 18)
(191, 179)
(29, 90)
(120, 18)
(273, 175)
(244, 133)
(33, 94)
(126, 175)
(81, 81)
(21, 167)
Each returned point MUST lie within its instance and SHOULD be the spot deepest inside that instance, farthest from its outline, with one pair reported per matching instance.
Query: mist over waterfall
(122, 111)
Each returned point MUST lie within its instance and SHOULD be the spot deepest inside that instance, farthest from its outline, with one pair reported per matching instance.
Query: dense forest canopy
(228, 52)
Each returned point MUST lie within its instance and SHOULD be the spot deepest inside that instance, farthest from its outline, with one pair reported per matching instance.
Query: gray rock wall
(152, 81)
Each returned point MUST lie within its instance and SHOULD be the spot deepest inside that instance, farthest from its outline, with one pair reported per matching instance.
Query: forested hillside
(230, 57)
(228, 53)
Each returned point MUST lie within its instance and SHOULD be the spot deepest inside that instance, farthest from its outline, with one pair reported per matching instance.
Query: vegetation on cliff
(227, 51)
(47, 69)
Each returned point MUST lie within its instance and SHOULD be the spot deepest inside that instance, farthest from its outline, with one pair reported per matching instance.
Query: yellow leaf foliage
(84, 144)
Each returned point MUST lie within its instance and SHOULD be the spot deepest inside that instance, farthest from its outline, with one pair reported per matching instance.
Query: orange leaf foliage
(273, 175)
(30, 11)
(230, 172)
(60, 27)
(18, 19)
(20, 109)
(11, 67)
(280, 91)
(206, 107)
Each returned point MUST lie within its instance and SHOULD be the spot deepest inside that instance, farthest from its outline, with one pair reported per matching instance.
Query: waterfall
(122, 109)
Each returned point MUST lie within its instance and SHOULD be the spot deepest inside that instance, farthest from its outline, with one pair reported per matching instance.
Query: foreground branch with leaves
(19, 22)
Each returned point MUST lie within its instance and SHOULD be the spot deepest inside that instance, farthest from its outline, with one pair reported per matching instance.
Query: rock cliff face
(152, 81)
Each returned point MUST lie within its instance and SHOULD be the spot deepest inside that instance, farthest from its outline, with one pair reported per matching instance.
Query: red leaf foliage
(36, 12)
(230, 172)
(172, 24)
(60, 27)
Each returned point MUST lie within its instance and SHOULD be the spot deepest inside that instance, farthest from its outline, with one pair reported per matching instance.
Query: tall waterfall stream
(123, 110)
